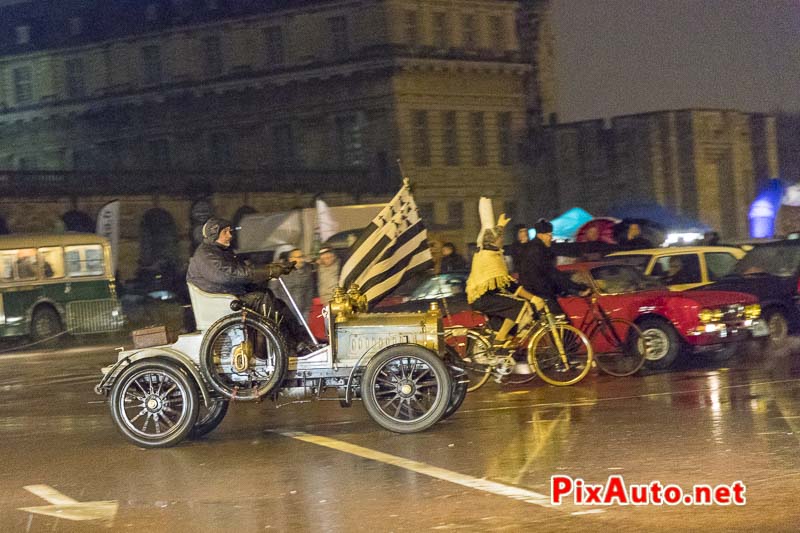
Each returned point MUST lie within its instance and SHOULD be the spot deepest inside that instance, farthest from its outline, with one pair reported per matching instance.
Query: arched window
(158, 238)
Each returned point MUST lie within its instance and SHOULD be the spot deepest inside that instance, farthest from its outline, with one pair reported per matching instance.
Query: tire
(778, 328)
(46, 325)
(393, 377)
(466, 345)
(161, 392)
(544, 357)
(209, 418)
(622, 348)
(265, 359)
(459, 379)
(663, 343)
(458, 394)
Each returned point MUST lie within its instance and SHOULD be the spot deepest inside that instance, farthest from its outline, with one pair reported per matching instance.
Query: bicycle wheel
(545, 359)
(473, 352)
(619, 347)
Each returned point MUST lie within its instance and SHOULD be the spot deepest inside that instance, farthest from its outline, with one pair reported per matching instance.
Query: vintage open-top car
(395, 362)
(673, 322)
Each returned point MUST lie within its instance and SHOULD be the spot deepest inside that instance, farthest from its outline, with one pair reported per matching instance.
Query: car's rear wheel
(154, 403)
(460, 382)
(778, 327)
(209, 418)
(663, 343)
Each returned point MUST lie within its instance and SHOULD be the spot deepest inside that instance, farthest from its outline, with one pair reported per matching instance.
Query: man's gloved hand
(288, 267)
(276, 270)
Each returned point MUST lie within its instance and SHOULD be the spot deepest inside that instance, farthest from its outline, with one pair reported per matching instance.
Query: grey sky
(630, 56)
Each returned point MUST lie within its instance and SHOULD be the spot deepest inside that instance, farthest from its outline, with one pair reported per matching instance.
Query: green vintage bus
(57, 283)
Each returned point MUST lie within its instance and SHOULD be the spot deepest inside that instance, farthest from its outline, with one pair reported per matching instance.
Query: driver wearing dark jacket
(215, 268)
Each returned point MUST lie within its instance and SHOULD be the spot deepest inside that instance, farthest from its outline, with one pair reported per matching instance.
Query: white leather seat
(208, 307)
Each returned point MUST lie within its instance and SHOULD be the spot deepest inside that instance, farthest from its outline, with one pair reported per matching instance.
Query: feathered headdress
(490, 229)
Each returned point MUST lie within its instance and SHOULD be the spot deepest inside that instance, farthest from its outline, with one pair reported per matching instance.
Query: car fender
(183, 361)
(60, 309)
(659, 316)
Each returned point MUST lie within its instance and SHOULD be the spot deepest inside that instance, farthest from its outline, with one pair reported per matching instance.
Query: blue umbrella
(567, 224)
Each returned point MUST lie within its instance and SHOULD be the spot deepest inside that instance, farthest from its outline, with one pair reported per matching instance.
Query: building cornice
(122, 95)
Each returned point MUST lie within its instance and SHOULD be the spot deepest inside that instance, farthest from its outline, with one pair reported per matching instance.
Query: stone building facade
(108, 97)
(788, 125)
(702, 163)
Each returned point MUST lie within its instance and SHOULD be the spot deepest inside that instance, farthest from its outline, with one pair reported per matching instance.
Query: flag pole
(406, 181)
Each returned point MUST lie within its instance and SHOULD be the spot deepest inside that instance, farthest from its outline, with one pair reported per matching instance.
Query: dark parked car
(771, 271)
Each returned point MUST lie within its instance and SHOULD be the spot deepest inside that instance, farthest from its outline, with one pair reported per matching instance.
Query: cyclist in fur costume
(490, 288)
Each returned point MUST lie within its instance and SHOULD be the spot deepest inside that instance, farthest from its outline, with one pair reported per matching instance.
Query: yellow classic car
(684, 267)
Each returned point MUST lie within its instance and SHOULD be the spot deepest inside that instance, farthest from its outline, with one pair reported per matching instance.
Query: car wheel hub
(406, 389)
(656, 343)
(154, 404)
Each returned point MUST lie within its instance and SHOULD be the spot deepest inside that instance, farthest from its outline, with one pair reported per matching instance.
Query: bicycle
(559, 353)
(618, 344)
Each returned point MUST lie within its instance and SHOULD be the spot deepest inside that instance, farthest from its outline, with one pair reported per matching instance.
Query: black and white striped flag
(392, 247)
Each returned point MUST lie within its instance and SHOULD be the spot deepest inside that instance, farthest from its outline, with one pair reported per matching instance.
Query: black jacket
(515, 251)
(453, 263)
(636, 242)
(216, 269)
(539, 275)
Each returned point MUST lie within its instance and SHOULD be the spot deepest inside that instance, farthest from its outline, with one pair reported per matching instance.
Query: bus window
(7, 265)
(26, 264)
(84, 260)
(52, 260)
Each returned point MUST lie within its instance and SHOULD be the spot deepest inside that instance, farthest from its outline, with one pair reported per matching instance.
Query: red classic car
(673, 322)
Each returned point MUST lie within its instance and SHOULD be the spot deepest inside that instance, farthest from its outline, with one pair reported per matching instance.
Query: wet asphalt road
(319, 467)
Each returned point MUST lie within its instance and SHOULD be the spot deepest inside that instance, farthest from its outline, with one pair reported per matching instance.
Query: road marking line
(51, 495)
(64, 507)
(485, 485)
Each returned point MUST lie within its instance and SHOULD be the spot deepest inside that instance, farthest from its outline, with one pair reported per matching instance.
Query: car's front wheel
(662, 341)
(406, 388)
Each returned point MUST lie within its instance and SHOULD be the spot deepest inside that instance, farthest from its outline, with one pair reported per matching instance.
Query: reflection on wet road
(318, 467)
